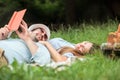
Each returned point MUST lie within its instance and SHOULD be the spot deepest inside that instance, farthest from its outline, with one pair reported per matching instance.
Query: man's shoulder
(55, 39)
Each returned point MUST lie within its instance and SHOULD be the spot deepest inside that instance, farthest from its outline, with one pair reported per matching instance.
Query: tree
(70, 11)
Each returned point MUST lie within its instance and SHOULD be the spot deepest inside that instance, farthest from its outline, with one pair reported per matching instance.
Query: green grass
(95, 67)
(92, 32)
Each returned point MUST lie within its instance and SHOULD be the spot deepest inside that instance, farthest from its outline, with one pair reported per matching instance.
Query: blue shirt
(57, 43)
(16, 49)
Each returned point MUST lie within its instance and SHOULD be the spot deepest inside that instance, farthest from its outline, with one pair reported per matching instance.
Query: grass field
(95, 67)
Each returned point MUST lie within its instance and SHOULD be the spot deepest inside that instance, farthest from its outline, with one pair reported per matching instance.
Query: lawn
(95, 67)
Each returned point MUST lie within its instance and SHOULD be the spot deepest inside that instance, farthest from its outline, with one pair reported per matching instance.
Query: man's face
(38, 35)
(84, 47)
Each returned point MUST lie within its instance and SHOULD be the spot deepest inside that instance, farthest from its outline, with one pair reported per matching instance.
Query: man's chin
(35, 39)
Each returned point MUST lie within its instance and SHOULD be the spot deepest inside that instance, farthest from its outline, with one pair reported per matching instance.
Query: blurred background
(66, 12)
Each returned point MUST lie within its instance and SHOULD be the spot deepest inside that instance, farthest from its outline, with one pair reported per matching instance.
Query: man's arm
(4, 32)
(24, 35)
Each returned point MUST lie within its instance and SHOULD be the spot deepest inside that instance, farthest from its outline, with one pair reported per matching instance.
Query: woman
(64, 52)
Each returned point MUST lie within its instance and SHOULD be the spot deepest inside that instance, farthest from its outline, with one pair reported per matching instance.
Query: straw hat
(35, 26)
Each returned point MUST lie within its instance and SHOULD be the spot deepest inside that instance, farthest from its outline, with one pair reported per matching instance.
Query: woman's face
(84, 46)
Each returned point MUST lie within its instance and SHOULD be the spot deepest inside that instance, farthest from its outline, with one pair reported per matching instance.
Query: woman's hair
(70, 49)
(94, 48)
(77, 52)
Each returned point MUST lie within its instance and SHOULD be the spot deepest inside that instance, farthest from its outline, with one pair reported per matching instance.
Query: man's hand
(24, 33)
(4, 32)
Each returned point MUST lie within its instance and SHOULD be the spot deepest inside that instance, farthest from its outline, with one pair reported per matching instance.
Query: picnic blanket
(59, 66)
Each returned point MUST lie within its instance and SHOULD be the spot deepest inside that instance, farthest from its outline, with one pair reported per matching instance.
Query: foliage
(6, 10)
(94, 32)
(95, 67)
(43, 11)
(60, 11)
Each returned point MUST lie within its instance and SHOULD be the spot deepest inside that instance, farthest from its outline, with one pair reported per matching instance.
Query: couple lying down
(34, 46)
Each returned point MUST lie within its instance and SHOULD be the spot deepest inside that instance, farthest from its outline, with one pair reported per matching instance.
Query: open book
(15, 21)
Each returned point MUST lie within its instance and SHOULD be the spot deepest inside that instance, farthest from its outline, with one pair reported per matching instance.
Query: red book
(15, 20)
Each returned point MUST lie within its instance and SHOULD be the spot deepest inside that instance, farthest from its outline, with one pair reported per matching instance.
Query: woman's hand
(4, 31)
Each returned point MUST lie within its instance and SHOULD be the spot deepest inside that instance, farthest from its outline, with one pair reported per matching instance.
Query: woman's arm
(55, 55)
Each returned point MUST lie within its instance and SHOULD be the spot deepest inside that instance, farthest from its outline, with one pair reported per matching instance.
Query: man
(26, 49)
